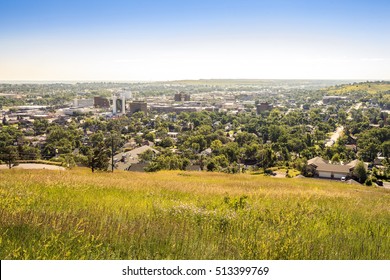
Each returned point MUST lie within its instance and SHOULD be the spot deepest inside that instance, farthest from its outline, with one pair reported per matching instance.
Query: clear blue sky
(166, 40)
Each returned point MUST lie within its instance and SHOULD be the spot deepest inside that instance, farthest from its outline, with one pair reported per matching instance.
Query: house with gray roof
(324, 169)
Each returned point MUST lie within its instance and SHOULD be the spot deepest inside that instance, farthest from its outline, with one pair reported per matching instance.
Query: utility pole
(112, 153)
(93, 162)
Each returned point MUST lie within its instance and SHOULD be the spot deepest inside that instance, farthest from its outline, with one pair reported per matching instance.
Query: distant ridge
(372, 87)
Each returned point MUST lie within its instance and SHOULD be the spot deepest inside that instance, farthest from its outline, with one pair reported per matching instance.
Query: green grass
(40, 161)
(188, 215)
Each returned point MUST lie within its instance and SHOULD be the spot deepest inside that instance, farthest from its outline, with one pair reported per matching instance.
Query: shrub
(268, 172)
(360, 172)
(368, 182)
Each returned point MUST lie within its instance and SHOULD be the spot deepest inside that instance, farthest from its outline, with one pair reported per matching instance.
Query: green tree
(196, 139)
(40, 126)
(28, 152)
(221, 161)
(167, 161)
(150, 136)
(360, 172)
(147, 156)
(211, 165)
(275, 132)
(243, 138)
(167, 142)
(296, 144)
(61, 140)
(342, 116)
(250, 151)
(336, 158)
(10, 155)
(386, 149)
(266, 158)
(99, 158)
(231, 151)
(195, 147)
(98, 154)
(138, 139)
(216, 146)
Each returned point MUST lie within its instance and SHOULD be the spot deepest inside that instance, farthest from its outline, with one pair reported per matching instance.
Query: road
(386, 185)
(340, 129)
(334, 136)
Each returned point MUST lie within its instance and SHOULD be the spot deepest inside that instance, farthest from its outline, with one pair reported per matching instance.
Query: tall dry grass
(188, 215)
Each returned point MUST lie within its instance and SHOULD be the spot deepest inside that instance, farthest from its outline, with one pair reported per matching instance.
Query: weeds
(170, 215)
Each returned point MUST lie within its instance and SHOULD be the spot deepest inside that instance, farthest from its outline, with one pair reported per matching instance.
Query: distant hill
(262, 82)
(188, 215)
(368, 87)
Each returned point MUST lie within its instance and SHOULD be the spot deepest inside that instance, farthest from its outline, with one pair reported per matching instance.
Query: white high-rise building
(123, 104)
(114, 104)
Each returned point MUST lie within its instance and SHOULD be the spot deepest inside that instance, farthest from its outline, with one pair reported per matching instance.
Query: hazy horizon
(183, 80)
(190, 40)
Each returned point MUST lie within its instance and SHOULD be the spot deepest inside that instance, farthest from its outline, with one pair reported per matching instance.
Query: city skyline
(173, 40)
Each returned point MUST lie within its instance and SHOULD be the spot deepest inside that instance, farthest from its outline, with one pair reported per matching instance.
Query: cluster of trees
(68, 144)
(8, 102)
(222, 141)
(12, 147)
(216, 141)
(374, 142)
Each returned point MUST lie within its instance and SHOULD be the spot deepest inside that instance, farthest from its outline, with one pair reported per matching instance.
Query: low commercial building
(179, 97)
(138, 106)
(174, 109)
(332, 99)
(101, 102)
(83, 103)
(263, 107)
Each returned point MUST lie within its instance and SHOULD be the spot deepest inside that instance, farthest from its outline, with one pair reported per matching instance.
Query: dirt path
(34, 166)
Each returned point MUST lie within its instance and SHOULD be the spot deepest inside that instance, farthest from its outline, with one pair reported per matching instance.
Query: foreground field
(184, 215)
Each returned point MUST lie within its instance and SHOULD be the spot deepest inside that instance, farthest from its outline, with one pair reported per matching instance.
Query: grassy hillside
(185, 215)
(369, 87)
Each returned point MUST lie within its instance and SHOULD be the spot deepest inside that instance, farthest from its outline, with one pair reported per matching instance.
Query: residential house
(323, 169)
(351, 140)
(124, 160)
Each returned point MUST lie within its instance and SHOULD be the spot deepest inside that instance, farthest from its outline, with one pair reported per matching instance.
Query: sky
(128, 40)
